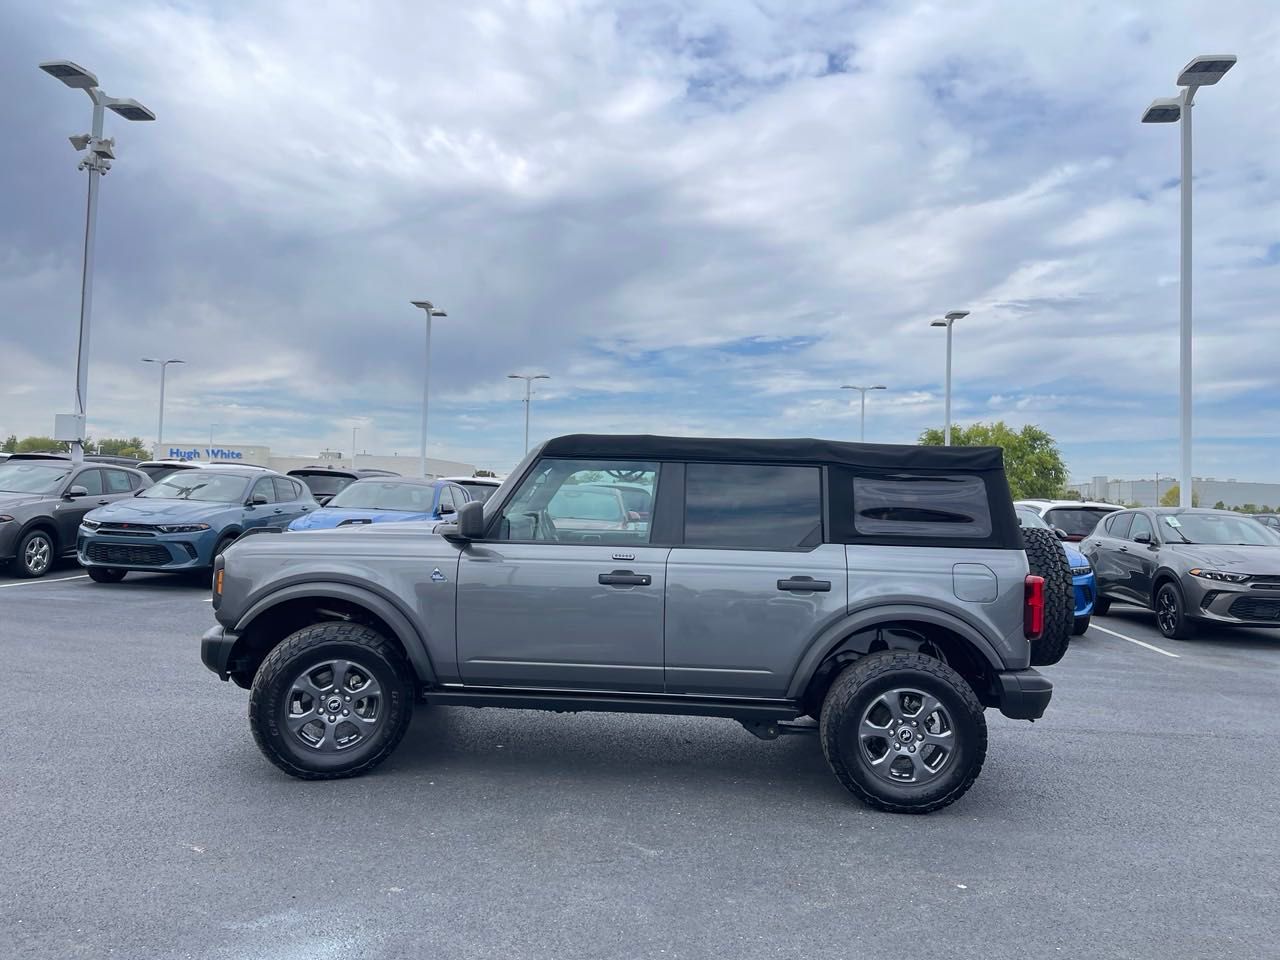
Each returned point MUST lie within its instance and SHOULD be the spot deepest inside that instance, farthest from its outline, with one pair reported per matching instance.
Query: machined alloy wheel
(35, 554)
(334, 706)
(906, 736)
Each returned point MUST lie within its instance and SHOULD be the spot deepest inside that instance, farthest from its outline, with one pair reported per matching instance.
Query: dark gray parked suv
(42, 501)
(881, 590)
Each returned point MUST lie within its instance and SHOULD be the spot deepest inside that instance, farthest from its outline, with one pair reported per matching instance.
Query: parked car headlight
(90, 524)
(182, 527)
(1220, 575)
(1081, 571)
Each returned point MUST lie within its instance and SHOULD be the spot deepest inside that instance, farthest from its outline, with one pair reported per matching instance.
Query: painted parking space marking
(33, 583)
(1141, 643)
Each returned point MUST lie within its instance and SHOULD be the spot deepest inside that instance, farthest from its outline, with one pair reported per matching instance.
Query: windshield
(385, 495)
(479, 491)
(1077, 521)
(32, 477)
(1029, 518)
(202, 485)
(1216, 528)
(324, 484)
(578, 503)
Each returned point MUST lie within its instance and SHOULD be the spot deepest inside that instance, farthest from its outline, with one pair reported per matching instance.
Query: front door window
(581, 501)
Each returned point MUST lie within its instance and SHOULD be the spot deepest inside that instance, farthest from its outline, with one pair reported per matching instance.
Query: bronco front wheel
(332, 700)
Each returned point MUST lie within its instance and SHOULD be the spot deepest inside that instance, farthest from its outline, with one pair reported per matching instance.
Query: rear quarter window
(926, 507)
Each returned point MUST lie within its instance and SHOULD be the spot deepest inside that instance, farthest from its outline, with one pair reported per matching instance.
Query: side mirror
(1142, 538)
(76, 491)
(447, 508)
(469, 524)
(257, 500)
(633, 516)
(1060, 533)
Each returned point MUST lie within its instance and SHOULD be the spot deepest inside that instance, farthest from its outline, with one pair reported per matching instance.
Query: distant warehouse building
(263, 457)
(1210, 490)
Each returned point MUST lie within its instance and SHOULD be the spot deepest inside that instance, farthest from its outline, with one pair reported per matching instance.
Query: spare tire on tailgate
(1047, 559)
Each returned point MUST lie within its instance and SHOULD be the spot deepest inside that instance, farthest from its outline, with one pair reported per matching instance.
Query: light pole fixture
(528, 396)
(1201, 72)
(97, 161)
(947, 322)
(164, 366)
(862, 421)
(430, 309)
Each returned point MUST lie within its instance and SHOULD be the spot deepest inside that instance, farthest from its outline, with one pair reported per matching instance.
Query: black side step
(570, 702)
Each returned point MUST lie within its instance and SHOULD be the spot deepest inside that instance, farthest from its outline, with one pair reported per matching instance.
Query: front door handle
(624, 578)
(806, 584)
(1124, 549)
(103, 503)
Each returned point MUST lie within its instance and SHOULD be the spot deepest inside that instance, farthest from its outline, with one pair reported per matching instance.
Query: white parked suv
(1076, 518)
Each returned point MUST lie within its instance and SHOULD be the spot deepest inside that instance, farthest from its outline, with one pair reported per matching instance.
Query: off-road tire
(105, 574)
(1101, 605)
(311, 646)
(1181, 627)
(39, 546)
(1081, 625)
(1047, 559)
(857, 688)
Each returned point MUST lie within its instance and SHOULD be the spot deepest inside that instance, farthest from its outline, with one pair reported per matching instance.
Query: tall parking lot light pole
(1200, 72)
(947, 322)
(528, 398)
(164, 366)
(862, 422)
(430, 309)
(97, 161)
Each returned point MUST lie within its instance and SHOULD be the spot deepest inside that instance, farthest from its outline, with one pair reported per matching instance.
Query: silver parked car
(881, 590)
(1188, 565)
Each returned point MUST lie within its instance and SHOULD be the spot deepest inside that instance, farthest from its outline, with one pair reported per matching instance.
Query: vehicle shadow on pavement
(1141, 624)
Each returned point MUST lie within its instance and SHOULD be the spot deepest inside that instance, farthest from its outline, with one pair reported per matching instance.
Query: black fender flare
(376, 603)
(836, 634)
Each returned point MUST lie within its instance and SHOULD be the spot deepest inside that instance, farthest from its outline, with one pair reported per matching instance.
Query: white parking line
(1141, 643)
(32, 583)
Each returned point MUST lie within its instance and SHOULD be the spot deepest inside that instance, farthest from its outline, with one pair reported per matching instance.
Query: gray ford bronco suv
(882, 591)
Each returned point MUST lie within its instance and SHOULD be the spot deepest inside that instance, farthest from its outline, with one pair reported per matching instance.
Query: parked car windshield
(1077, 521)
(479, 491)
(581, 503)
(324, 484)
(32, 477)
(158, 471)
(204, 485)
(1029, 518)
(384, 495)
(1216, 529)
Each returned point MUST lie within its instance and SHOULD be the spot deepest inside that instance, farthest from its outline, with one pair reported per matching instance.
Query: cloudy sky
(697, 217)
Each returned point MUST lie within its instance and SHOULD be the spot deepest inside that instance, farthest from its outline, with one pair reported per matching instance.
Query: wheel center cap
(334, 704)
(905, 735)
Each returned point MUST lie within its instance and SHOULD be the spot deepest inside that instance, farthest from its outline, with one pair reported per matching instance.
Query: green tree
(1031, 458)
(40, 445)
(1219, 505)
(120, 447)
(484, 473)
(1170, 497)
(10, 444)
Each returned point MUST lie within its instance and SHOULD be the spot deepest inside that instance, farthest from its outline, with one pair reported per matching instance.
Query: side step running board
(761, 711)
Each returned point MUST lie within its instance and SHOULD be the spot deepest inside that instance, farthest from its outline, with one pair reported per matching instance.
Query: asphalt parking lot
(1139, 818)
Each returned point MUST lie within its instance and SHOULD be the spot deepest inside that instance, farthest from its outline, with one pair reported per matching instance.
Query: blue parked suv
(1083, 581)
(183, 522)
(385, 499)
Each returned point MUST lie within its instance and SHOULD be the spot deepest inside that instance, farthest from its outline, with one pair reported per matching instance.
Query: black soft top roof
(880, 456)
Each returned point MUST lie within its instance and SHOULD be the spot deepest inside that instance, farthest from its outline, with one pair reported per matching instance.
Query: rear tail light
(1033, 608)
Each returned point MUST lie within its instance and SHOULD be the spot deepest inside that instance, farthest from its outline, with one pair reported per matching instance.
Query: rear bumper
(1024, 694)
(215, 649)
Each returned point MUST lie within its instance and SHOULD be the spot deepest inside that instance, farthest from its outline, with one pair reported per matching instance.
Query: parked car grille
(1265, 583)
(1256, 608)
(128, 529)
(128, 554)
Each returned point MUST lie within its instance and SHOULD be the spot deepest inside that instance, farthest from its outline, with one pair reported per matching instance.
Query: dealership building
(256, 455)
(1210, 490)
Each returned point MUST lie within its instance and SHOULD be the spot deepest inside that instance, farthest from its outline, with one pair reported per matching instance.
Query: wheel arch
(1162, 576)
(47, 525)
(898, 627)
(273, 617)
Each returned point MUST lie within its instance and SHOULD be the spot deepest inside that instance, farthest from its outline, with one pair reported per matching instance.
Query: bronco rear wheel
(333, 700)
(903, 732)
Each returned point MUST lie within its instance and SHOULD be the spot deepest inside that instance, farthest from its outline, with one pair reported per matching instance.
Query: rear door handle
(103, 503)
(625, 578)
(807, 584)
(1124, 549)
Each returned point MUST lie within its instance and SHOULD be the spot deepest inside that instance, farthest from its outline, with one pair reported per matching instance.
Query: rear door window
(927, 507)
(752, 506)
